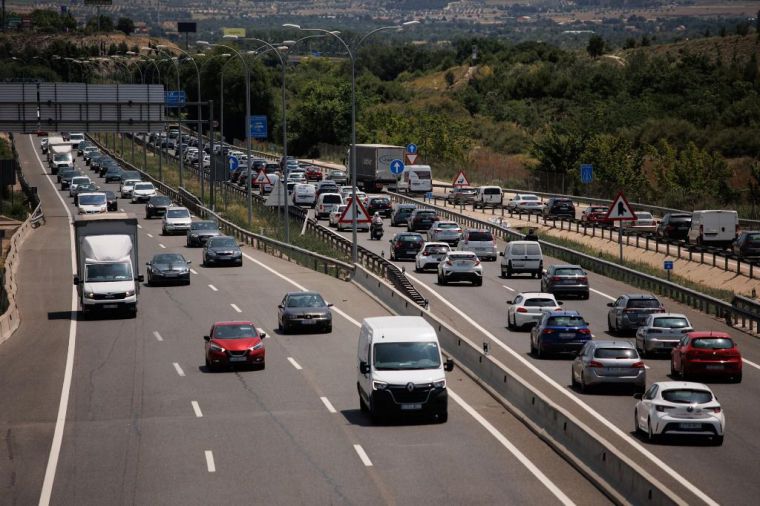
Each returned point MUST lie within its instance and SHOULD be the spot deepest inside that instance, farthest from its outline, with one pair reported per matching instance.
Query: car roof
(234, 322)
(522, 242)
(708, 333)
(669, 385)
(434, 243)
(639, 296)
(567, 266)
(537, 294)
(668, 315)
(564, 313)
(400, 329)
(609, 343)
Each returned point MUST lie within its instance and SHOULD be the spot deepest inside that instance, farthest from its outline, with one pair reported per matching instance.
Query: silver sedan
(661, 333)
(608, 362)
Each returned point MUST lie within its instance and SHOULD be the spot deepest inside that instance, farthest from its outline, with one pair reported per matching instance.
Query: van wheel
(509, 270)
(503, 273)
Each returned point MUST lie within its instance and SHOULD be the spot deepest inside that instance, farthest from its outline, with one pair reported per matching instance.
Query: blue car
(559, 332)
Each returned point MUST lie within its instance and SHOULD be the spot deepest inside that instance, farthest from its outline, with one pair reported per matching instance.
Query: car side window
(620, 302)
(518, 300)
(651, 393)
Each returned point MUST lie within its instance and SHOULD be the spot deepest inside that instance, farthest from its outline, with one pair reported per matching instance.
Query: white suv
(143, 191)
(127, 186)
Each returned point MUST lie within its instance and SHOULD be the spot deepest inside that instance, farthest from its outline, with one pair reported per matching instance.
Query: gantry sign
(80, 107)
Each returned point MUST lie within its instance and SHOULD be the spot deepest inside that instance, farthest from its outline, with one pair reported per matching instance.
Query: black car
(559, 207)
(380, 205)
(747, 245)
(307, 310)
(200, 232)
(113, 174)
(157, 206)
(421, 219)
(674, 226)
(222, 250)
(168, 268)
(565, 280)
(96, 160)
(406, 245)
(107, 164)
(401, 213)
(65, 177)
(112, 201)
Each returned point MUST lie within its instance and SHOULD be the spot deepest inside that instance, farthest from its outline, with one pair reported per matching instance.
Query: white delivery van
(304, 194)
(713, 228)
(327, 203)
(75, 139)
(60, 157)
(414, 179)
(488, 196)
(520, 257)
(400, 368)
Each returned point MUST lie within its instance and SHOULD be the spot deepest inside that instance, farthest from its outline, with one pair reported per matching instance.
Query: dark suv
(630, 311)
(560, 207)
(157, 206)
(565, 280)
(401, 213)
(421, 219)
(747, 245)
(674, 226)
(380, 205)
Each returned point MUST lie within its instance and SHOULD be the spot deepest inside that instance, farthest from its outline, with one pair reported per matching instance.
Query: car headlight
(130, 293)
(440, 383)
(257, 346)
(216, 347)
(90, 295)
(379, 385)
(211, 253)
(236, 253)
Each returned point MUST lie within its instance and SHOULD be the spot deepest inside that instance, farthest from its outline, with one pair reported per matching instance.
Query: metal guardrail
(733, 314)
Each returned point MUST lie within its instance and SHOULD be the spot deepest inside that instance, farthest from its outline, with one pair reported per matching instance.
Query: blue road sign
(233, 162)
(411, 149)
(668, 265)
(397, 167)
(259, 127)
(175, 98)
(587, 173)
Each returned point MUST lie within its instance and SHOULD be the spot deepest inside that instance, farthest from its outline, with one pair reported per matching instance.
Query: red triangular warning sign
(362, 216)
(262, 178)
(461, 180)
(620, 210)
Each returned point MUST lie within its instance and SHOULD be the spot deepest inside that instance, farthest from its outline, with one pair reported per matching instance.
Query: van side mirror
(76, 280)
(610, 304)
(501, 253)
(207, 338)
(364, 367)
(559, 303)
(638, 395)
(509, 302)
(262, 334)
(449, 365)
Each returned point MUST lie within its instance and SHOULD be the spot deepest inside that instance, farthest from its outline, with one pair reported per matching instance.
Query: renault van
(522, 257)
(488, 196)
(713, 228)
(400, 369)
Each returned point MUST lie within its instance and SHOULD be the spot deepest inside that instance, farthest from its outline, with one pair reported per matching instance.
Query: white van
(304, 194)
(415, 179)
(488, 196)
(713, 228)
(327, 203)
(400, 368)
(521, 257)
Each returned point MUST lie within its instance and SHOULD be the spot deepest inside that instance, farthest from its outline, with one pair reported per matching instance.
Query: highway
(724, 474)
(143, 422)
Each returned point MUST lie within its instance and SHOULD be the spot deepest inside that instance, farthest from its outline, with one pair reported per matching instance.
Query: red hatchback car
(234, 343)
(706, 354)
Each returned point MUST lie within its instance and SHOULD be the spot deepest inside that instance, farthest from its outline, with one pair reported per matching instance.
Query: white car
(92, 203)
(143, 191)
(679, 408)
(127, 186)
(460, 266)
(304, 194)
(430, 255)
(176, 220)
(445, 231)
(336, 213)
(525, 203)
(528, 308)
(644, 222)
(76, 181)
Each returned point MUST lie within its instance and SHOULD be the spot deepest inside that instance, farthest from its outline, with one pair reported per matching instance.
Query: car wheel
(573, 381)
(636, 428)
(673, 372)
(362, 405)
(328, 329)
(509, 270)
(651, 436)
(539, 352)
(584, 387)
(737, 378)
(532, 348)
(510, 323)
(503, 272)
(417, 268)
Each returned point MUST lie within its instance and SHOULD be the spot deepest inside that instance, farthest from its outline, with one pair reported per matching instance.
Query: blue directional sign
(587, 173)
(233, 162)
(259, 127)
(668, 265)
(411, 149)
(175, 98)
(397, 167)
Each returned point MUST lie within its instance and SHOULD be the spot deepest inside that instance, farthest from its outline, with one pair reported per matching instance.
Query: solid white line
(178, 369)
(234, 306)
(121, 209)
(150, 235)
(197, 409)
(624, 435)
(294, 363)
(328, 405)
(749, 362)
(213, 288)
(194, 271)
(139, 226)
(508, 288)
(363, 455)
(541, 477)
(63, 404)
(158, 336)
(210, 461)
(164, 247)
(602, 294)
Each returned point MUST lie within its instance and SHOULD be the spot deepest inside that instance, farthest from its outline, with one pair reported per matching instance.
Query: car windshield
(449, 226)
(463, 257)
(425, 214)
(380, 202)
(169, 258)
(236, 331)
(80, 180)
(597, 209)
(567, 271)
(670, 323)
(65, 157)
(143, 186)
(223, 242)
(539, 302)
(332, 199)
(529, 197)
(108, 272)
(305, 300)
(643, 303)
(92, 200)
(110, 195)
(753, 238)
(410, 238)
(160, 201)
(437, 249)
(404, 210)
(177, 213)
(403, 356)
(479, 236)
(566, 321)
(618, 353)
(203, 225)
(687, 396)
(713, 343)
(643, 216)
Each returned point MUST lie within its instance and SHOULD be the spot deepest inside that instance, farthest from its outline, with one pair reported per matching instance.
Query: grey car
(565, 280)
(201, 231)
(661, 333)
(222, 250)
(630, 311)
(608, 362)
(306, 310)
(168, 268)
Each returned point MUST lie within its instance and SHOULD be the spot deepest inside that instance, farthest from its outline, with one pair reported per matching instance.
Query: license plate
(716, 367)
(309, 321)
(690, 425)
(238, 359)
(518, 264)
(411, 252)
(110, 306)
(567, 334)
(615, 370)
(411, 407)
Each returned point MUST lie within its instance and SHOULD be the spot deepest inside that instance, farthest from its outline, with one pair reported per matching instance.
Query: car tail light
(584, 331)
(477, 262)
(425, 253)
(594, 363)
(638, 365)
(448, 262)
(583, 279)
(548, 331)
(714, 410)
(521, 310)
(556, 278)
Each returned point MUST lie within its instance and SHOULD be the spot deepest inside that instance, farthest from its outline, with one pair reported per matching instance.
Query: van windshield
(422, 174)
(109, 272)
(404, 356)
(332, 199)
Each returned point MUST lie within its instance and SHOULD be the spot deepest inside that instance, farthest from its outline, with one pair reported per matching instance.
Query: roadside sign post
(233, 163)
(587, 173)
(410, 155)
(620, 211)
(668, 266)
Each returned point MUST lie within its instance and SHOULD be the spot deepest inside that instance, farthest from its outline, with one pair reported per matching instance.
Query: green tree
(125, 25)
(106, 24)
(617, 163)
(596, 46)
(559, 150)
(50, 21)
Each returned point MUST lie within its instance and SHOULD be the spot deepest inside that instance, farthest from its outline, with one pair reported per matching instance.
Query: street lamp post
(352, 57)
(160, 148)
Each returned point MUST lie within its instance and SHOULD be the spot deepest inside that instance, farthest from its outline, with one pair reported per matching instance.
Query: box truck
(373, 165)
(107, 277)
